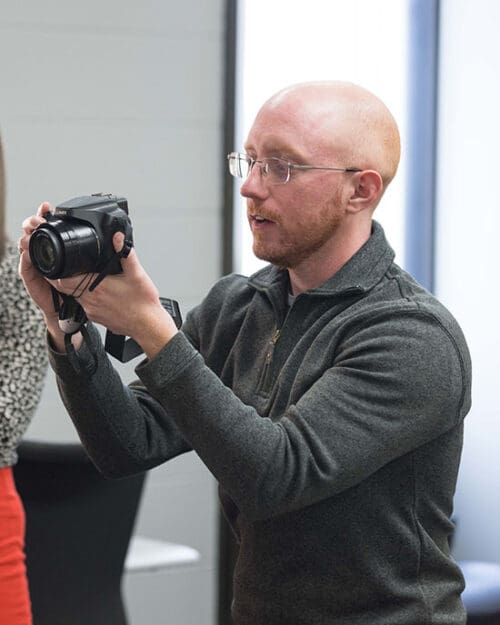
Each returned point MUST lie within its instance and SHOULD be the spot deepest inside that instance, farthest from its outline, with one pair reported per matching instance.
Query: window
(281, 42)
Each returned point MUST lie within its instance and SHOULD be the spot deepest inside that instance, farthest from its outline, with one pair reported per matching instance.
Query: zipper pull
(275, 337)
(272, 343)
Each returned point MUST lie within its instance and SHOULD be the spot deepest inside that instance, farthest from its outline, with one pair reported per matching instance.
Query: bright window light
(281, 42)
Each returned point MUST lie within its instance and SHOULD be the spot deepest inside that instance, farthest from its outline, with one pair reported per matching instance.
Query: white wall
(468, 256)
(125, 97)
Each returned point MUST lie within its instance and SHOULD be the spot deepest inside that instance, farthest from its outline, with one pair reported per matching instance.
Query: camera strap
(72, 319)
(123, 253)
(78, 364)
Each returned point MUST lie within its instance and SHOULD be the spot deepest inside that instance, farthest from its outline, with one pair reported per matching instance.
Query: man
(326, 393)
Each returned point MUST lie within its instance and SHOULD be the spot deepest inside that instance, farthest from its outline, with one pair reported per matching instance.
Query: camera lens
(47, 251)
(64, 248)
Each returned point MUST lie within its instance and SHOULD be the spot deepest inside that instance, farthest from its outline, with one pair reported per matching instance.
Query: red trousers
(15, 606)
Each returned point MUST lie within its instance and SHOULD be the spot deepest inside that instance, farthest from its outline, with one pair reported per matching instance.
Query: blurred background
(145, 99)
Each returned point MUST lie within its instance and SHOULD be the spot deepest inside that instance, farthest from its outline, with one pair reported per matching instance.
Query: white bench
(149, 554)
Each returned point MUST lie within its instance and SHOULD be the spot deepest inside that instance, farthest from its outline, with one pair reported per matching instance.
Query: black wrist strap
(80, 365)
(70, 308)
(123, 253)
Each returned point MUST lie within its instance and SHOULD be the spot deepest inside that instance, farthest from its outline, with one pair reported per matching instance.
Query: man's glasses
(276, 170)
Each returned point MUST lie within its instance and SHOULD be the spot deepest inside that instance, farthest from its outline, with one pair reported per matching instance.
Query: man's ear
(368, 190)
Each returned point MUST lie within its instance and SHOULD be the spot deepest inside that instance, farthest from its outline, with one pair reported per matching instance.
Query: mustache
(257, 211)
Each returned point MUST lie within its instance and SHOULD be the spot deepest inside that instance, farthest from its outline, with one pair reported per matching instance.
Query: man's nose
(254, 185)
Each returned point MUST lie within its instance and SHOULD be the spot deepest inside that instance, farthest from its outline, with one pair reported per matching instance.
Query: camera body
(78, 237)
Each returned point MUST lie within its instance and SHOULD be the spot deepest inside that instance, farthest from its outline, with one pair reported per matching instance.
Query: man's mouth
(259, 219)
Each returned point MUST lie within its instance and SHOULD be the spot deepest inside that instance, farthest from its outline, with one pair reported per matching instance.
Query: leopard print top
(23, 357)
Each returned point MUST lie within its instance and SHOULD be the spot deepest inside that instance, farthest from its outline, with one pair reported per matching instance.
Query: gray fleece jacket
(334, 429)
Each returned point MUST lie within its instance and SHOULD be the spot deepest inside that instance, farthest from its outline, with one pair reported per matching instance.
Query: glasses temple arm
(350, 169)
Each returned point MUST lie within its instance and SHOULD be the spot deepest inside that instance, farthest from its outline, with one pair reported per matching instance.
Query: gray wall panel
(126, 97)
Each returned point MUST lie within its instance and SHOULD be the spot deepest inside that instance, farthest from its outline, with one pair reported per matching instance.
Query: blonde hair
(2, 204)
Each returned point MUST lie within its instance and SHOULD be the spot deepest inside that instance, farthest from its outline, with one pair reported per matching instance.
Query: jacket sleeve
(396, 383)
(124, 429)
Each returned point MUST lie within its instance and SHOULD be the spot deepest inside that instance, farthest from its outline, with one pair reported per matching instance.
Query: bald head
(343, 120)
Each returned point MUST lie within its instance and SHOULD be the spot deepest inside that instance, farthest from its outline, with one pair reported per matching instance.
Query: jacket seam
(418, 536)
(418, 312)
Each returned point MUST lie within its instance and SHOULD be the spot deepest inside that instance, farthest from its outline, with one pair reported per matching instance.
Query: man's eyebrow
(279, 149)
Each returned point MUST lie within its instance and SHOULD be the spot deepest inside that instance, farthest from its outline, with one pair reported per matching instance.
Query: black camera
(78, 237)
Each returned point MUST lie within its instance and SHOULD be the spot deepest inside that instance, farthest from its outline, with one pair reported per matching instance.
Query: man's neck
(325, 262)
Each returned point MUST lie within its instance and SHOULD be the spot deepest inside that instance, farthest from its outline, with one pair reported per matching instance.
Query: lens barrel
(59, 249)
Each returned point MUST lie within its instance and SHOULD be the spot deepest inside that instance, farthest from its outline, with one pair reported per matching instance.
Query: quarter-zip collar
(359, 274)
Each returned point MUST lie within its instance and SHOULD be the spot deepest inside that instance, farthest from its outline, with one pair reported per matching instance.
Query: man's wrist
(57, 336)
(156, 333)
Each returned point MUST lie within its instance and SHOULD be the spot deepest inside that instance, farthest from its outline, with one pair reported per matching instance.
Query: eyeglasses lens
(239, 165)
(275, 169)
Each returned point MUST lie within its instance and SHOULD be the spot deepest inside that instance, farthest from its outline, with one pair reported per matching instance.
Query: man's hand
(127, 303)
(36, 285)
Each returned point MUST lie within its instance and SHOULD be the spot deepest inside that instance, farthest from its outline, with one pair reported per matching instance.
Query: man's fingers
(118, 241)
(31, 223)
(25, 260)
(129, 261)
(43, 208)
